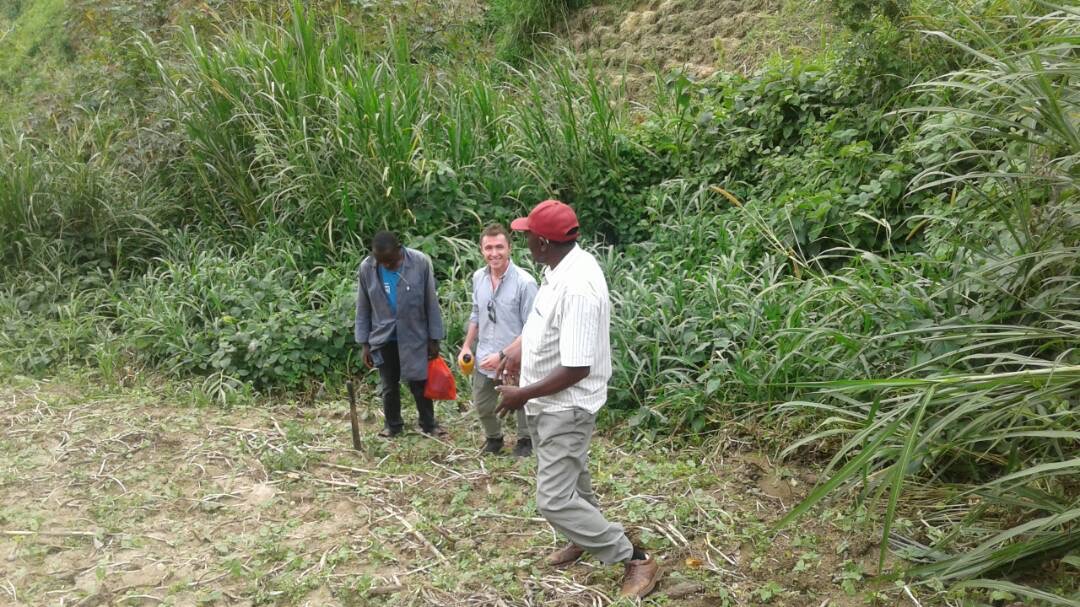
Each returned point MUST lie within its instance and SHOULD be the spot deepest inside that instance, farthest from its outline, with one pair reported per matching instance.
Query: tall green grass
(993, 411)
(72, 199)
(308, 128)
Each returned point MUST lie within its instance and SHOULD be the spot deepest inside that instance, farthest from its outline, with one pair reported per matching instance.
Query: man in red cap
(564, 356)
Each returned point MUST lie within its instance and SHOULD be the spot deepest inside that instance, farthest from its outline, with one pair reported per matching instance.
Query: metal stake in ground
(352, 415)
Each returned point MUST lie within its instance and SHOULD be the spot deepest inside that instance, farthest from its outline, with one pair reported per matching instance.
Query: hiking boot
(640, 578)
(493, 446)
(523, 448)
(564, 556)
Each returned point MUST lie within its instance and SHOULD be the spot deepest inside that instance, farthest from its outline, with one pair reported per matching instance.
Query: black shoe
(523, 448)
(493, 446)
(390, 432)
(436, 432)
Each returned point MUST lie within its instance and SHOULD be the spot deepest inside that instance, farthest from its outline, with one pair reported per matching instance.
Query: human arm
(473, 329)
(470, 339)
(526, 296)
(514, 397)
(509, 365)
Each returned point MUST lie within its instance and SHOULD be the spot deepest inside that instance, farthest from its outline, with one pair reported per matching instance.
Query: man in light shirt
(565, 363)
(502, 297)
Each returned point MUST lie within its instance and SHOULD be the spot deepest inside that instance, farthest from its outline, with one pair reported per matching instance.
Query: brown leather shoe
(564, 556)
(640, 578)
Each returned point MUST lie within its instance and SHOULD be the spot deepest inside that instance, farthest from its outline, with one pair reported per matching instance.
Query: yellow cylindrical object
(465, 363)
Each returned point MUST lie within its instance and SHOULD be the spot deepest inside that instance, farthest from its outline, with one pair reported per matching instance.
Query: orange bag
(440, 381)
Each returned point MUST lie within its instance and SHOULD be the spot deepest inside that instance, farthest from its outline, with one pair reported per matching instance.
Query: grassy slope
(698, 37)
(51, 50)
(33, 52)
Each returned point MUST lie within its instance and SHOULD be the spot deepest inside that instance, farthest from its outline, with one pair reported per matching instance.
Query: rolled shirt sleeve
(474, 316)
(526, 297)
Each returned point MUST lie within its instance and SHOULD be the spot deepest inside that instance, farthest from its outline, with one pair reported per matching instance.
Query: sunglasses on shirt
(491, 310)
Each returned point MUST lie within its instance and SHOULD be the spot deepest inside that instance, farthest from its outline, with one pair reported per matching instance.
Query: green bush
(52, 319)
(253, 315)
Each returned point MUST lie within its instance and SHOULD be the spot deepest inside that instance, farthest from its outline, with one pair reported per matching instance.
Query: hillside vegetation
(863, 251)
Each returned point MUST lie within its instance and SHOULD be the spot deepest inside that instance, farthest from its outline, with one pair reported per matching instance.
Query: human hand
(509, 368)
(513, 398)
(490, 362)
(432, 349)
(465, 351)
(368, 361)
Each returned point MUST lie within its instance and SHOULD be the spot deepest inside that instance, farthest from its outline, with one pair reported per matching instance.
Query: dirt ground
(133, 496)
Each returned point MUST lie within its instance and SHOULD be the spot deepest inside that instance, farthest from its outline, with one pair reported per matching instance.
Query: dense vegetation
(877, 250)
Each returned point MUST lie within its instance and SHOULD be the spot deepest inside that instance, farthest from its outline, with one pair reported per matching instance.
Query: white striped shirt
(569, 326)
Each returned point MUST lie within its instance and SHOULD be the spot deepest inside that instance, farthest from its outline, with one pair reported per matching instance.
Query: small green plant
(293, 454)
(769, 591)
(850, 575)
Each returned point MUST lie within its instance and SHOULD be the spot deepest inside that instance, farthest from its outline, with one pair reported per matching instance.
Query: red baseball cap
(550, 219)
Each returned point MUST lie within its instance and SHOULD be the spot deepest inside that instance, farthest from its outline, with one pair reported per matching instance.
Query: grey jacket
(418, 316)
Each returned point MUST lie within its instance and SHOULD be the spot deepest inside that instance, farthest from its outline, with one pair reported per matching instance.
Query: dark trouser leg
(390, 378)
(424, 407)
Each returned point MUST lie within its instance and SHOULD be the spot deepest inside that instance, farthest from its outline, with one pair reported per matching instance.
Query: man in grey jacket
(399, 325)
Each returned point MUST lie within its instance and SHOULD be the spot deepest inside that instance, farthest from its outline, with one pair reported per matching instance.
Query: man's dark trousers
(390, 375)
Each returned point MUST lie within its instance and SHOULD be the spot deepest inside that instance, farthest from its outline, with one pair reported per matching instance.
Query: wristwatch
(502, 355)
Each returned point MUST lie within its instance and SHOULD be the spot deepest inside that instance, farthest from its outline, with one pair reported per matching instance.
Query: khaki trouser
(485, 399)
(564, 492)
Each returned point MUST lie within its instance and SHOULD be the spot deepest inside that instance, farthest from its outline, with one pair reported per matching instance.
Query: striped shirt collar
(565, 267)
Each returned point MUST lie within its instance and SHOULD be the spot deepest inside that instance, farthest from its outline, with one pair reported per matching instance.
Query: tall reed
(992, 408)
(303, 126)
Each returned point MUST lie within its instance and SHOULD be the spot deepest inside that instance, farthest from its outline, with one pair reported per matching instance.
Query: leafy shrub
(731, 327)
(52, 320)
(254, 316)
(858, 14)
(993, 410)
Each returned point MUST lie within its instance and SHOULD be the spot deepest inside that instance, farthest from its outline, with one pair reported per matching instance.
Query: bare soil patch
(124, 497)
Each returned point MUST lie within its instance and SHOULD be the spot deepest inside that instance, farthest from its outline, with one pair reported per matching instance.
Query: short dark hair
(495, 229)
(385, 240)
